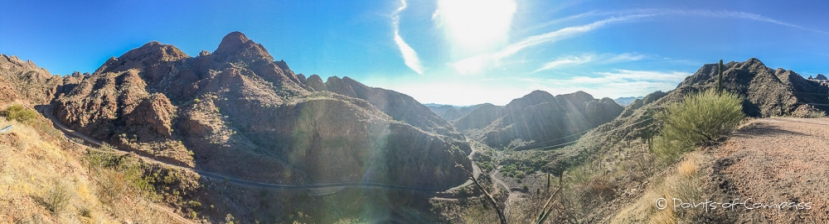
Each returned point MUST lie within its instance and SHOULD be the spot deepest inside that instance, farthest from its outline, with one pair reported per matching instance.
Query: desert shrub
(20, 114)
(57, 199)
(700, 119)
(118, 175)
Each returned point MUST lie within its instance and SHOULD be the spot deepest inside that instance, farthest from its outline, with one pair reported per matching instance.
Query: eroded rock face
(21, 80)
(767, 92)
(246, 115)
(116, 107)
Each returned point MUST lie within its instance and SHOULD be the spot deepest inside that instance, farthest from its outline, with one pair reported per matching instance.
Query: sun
(475, 26)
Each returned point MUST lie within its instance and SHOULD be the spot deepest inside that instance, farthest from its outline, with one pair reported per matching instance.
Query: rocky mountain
(624, 101)
(537, 119)
(239, 112)
(25, 81)
(767, 92)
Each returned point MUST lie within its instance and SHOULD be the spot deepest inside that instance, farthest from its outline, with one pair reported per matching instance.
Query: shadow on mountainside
(763, 129)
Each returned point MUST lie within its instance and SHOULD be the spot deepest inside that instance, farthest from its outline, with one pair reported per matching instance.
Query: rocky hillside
(239, 112)
(537, 119)
(766, 92)
(25, 81)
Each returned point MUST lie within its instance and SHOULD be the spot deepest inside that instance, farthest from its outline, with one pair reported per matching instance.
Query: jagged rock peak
(233, 40)
(753, 63)
(282, 65)
(237, 44)
(154, 51)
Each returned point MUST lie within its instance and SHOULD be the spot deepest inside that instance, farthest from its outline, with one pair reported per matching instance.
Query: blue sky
(458, 52)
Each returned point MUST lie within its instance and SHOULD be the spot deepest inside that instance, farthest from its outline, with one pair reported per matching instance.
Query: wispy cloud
(742, 15)
(590, 58)
(617, 83)
(475, 64)
(410, 57)
(623, 75)
(480, 62)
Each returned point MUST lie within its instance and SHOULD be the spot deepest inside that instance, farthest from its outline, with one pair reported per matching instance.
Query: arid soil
(775, 160)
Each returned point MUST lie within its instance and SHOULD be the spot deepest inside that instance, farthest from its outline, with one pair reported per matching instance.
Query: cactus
(719, 78)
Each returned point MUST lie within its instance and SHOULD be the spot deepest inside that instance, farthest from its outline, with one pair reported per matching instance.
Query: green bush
(700, 119)
(20, 114)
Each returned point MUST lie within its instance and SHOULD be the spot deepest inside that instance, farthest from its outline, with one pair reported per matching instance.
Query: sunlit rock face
(244, 114)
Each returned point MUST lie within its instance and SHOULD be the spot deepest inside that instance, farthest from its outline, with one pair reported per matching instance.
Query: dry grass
(687, 168)
(682, 182)
(42, 180)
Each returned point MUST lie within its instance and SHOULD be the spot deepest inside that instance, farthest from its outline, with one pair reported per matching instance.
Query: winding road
(46, 111)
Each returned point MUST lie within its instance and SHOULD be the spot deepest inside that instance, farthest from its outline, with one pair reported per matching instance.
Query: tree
(700, 119)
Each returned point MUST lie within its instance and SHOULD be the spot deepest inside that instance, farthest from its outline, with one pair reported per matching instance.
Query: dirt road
(776, 160)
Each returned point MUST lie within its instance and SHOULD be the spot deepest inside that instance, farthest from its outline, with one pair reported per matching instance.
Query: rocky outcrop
(26, 81)
(117, 107)
(818, 78)
(316, 84)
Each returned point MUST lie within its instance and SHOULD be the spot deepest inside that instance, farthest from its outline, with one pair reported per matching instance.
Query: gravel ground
(775, 160)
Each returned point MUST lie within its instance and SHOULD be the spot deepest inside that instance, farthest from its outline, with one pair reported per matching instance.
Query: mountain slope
(238, 106)
(537, 119)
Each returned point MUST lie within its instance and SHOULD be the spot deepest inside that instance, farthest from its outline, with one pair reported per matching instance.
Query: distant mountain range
(450, 112)
(624, 101)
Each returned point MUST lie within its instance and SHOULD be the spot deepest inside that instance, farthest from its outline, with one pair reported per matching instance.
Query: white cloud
(622, 75)
(590, 58)
(565, 61)
(410, 57)
(550, 37)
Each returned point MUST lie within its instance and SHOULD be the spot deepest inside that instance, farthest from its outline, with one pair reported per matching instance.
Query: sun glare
(475, 26)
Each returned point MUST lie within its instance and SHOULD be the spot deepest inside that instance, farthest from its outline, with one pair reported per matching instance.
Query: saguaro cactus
(719, 78)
